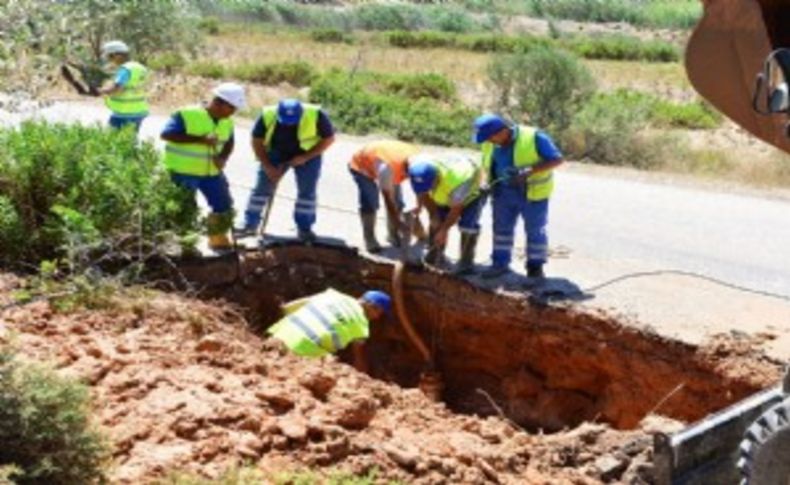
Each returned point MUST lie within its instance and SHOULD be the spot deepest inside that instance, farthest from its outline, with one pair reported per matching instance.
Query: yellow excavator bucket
(728, 50)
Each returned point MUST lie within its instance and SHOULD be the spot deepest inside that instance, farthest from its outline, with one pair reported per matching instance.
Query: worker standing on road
(126, 97)
(199, 142)
(289, 135)
(519, 162)
(449, 190)
(381, 166)
(329, 321)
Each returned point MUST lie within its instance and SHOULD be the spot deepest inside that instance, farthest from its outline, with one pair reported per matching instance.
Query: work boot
(466, 265)
(369, 231)
(219, 242)
(307, 236)
(243, 230)
(393, 232)
(535, 271)
(218, 225)
(495, 271)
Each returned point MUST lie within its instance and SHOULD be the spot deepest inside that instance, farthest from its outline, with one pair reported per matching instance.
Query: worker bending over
(199, 141)
(329, 321)
(126, 97)
(519, 164)
(449, 190)
(289, 135)
(381, 166)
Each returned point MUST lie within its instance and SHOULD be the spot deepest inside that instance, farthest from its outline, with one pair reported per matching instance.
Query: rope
(690, 274)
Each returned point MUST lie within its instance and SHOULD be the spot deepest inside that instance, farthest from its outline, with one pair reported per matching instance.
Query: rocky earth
(183, 384)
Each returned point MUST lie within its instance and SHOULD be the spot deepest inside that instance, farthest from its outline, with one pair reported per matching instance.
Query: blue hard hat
(422, 175)
(487, 125)
(378, 298)
(289, 111)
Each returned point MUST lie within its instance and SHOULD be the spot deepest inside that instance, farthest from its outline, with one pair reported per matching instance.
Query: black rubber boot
(368, 220)
(466, 265)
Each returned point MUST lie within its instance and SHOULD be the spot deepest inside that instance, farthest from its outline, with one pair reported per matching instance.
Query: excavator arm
(730, 47)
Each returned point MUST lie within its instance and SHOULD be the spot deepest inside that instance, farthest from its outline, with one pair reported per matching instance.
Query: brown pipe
(403, 317)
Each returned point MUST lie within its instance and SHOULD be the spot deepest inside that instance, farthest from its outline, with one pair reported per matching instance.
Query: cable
(691, 274)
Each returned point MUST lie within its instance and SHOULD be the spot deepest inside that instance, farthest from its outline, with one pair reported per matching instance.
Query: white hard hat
(114, 47)
(231, 93)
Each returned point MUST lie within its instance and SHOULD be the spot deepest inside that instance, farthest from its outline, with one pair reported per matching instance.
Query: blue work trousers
(214, 189)
(119, 122)
(470, 218)
(369, 193)
(509, 203)
(306, 183)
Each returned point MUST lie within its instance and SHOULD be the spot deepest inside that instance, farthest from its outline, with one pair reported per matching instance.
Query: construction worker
(329, 321)
(289, 135)
(518, 162)
(126, 97)
(199, 141)
(449, 190)
(381, 166)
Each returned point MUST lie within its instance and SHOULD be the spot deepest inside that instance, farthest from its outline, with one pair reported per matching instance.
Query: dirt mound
(183, 384)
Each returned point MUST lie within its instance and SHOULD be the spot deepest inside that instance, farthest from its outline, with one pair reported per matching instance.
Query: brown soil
(186, 383)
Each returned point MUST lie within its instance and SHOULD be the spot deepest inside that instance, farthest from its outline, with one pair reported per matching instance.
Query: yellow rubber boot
(219, 242)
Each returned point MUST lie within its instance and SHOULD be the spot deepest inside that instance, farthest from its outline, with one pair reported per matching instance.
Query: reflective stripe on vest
(451, 176)
(196, 158)
(394, 153)
(131, 101)
(327, 323)
(308, 126)
(525, 154)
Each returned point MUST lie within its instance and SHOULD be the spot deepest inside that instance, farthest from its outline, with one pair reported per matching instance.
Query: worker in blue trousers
(519, 163)
(126, 97)
(289, 135)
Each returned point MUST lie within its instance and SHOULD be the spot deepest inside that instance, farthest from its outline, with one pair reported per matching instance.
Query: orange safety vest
(394, 153)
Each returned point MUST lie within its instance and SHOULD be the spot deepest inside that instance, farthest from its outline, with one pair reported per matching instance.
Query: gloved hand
(520, 176)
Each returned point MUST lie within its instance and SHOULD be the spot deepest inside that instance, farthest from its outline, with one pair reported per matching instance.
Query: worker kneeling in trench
(329, 321)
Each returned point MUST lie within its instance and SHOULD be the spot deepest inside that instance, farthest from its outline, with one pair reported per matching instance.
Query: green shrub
(331, 36)
(357, 107)
(611, 134)
(295, 73)
(208, 69)
(661, 112)
(679, 14)
(417, 86)
(45, 427)
(620, 48)
(377, 16)
(67, 185)
(169, 62)
(545, 86)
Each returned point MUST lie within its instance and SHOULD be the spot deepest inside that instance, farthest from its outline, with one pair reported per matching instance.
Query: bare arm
(316, 151)
(360, 359)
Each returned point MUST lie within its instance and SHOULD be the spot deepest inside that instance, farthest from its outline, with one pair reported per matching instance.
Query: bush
(169, 62)
(416, 86)
(357, 107)
(679, 14)
(661, 112)
(45, 427)
(609, 133)
(376, 16)
(615, 47)
(67, 185)
(208, 69)
(209, 25)
(294, 73)
(331, 36)
(545, 86)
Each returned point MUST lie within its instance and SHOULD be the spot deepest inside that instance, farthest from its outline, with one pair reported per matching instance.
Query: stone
(319, 384)
(403, 454)
(610, 468)
(294, 428)
(357, 413)
(209, 343)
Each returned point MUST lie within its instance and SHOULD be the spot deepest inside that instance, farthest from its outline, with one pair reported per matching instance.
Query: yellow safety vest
(328, 322)
(525, 154)
(308, 126)
(451, 176)
(131, 100)
(196, 158)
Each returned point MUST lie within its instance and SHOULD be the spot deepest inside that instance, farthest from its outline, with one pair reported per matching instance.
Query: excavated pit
(545, 366)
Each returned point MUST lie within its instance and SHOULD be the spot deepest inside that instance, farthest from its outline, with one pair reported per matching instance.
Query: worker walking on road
(381, 166)
(199, 142)
(126, 97)
(289, 135)
(449, 190)
(329, 321)
(518, 161)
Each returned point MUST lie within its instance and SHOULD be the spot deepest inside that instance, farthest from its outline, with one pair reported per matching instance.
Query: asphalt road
(603, 225)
